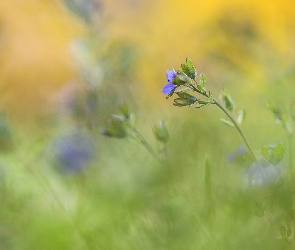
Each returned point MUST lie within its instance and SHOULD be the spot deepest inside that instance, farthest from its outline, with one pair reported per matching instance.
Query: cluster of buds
(184, 81)
(185, 84)
(122, 125)
(118, 124)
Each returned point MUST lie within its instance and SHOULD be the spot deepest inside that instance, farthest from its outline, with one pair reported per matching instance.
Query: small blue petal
(170, 75)
(168, 88)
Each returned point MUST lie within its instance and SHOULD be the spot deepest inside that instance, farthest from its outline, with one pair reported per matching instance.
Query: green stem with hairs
(214, 101)
(237, 127)
(145, 143)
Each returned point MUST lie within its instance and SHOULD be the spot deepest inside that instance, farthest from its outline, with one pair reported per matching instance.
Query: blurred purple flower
(237, 154)
(262, 173)
(73, 152)
(169, 87)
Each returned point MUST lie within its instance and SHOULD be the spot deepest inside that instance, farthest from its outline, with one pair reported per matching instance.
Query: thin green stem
(237, 127)
(145, 143)
(230, 117)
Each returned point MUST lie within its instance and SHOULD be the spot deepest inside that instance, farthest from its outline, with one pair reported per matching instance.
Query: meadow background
(66, 66)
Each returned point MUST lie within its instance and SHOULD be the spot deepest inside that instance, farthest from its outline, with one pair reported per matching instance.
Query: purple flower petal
(168, 88)
(170, 75)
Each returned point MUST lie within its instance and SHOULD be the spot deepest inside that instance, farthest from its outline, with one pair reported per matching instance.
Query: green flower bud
(161, 132)
(228, 102)
(180, 79)
(115, 127)
(125, 111)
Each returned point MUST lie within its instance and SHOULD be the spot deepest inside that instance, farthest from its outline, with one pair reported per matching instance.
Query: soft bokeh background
(66, 66)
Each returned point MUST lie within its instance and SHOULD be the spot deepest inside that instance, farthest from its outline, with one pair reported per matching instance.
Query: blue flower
(73, 151)
(262, 173)
(169, 87)
(236, 155)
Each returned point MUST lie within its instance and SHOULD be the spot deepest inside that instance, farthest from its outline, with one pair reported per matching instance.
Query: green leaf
(125, 111)
(205, 102)
(185, 69)
(267, 152)
(203, 79)
(228, 102)
(191, 68)
(273, 154)
(201, 88)
(241, 116)
(211, 97)
(183, 90)
(199, 105)
(118, 118)
(227, 122)
(186, 95)
(184, 100)
(275, 110)
(278, 153)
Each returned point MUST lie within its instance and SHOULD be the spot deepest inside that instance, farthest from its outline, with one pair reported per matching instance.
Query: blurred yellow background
(234, 38)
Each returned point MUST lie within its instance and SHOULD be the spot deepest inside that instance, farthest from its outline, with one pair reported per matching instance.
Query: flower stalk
(186, 77)
(224, 110)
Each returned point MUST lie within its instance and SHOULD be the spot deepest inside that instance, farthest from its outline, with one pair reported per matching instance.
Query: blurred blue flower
(237, 154)
(262, 173)
(169, 87)
(73, 151)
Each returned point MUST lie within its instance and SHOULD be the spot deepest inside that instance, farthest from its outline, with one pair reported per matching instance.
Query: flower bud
(180, 79)
(115, 128)
(228, 102)
(161, 132)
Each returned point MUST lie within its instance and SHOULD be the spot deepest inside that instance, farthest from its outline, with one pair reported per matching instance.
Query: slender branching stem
(237, 127)
(145, 143)
(214, 101)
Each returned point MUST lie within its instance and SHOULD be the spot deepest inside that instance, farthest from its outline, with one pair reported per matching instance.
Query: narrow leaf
(278, 153)
(203, 79)
(185, 69)
(241, 116)
(229, 123)
(191, 68)
(275, 110)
